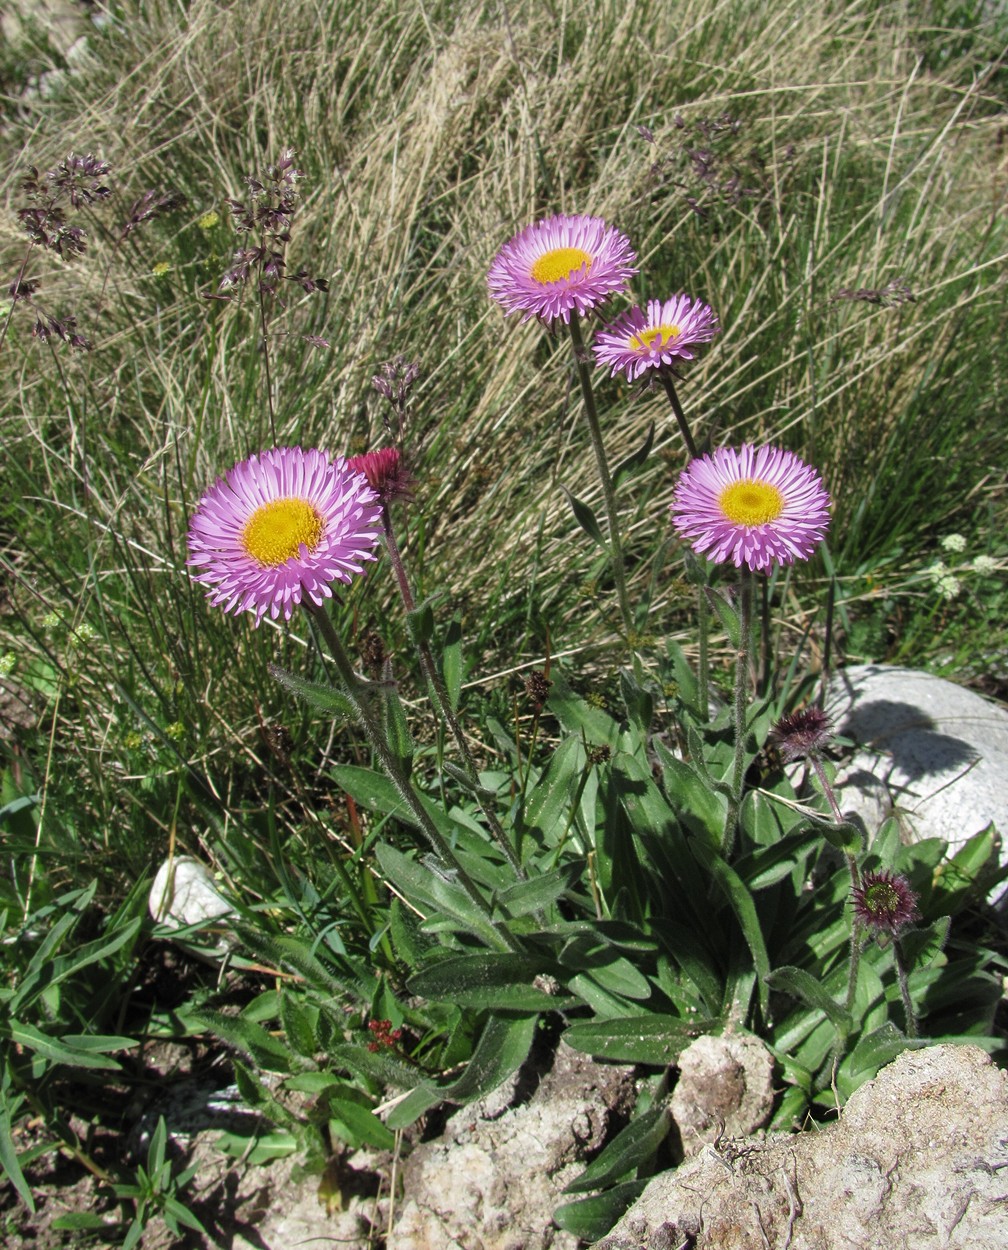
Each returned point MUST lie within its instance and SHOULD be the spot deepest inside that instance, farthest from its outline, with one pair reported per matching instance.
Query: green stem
(904, 988)
(703, 633)
(838, 816)
(376, 736)
(855, 960)
(680, 416)
(740, 708)
(440, 695)
(608, 493)
(852, 868)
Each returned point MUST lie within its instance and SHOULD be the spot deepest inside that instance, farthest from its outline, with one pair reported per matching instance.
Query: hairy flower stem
(440, 695)
(852, 868)
(703, 607)
(680, 416)
(904, 988)
(741, 704)
(703, 632)
(608, 493)
(376, 736)
(855, 960)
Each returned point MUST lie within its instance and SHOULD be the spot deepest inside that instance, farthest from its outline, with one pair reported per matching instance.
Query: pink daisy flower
(635, 343)
(280, 525)
(561, 265)
(756, 506)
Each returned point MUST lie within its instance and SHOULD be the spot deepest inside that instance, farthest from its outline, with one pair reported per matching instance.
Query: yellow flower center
(276, 530)
(644, 340)
(560, 262)
(751, 502)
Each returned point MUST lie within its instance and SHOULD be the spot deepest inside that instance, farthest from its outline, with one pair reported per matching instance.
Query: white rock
(184, 894)
(918, 1159)
(725, 1086)
(930, 753)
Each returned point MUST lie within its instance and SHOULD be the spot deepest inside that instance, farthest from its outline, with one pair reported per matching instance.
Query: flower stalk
(605, 479)
(376, 736)
(740, 707)
(440, 697)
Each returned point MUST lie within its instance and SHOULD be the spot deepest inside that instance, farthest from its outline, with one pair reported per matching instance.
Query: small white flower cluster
(948, 581)
(945, 581)
(82, 635)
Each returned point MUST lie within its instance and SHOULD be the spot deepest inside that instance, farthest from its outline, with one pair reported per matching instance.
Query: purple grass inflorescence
(561, 265)
(636, 342)
(755, 506)
(282, 525)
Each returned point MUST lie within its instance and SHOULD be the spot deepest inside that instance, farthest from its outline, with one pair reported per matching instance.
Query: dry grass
(429, 133)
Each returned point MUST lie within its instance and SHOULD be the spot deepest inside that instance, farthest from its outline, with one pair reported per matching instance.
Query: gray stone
(725, 1086)
(929, 752)
(918, 1158)
(494, 1178)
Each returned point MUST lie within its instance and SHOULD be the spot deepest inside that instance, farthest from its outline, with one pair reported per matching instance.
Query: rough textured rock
(918, 1159)
(725, 1086)
(492, 1181)
(931, 753)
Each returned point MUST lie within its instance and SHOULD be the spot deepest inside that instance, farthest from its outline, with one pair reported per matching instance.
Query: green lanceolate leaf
(873, 1050)
(397, 731)
(374, 792)
(638, 702)
(9, 1160)
(525, 897)
(727, 615)
(421, 622)
(578, 716)
(63, 1049)
(451, 664)
(742, 904)
(697, 806)
(650, 1039)
(502, 1048)
(591, 1218)
(487, 981)
(409, 1109)
(436, 893)
(333, 702)
(547, 807)
(811, 991)
(359, 1124)
(249, 1038)
(634, 1146)
(586, 518)
(634, 460)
